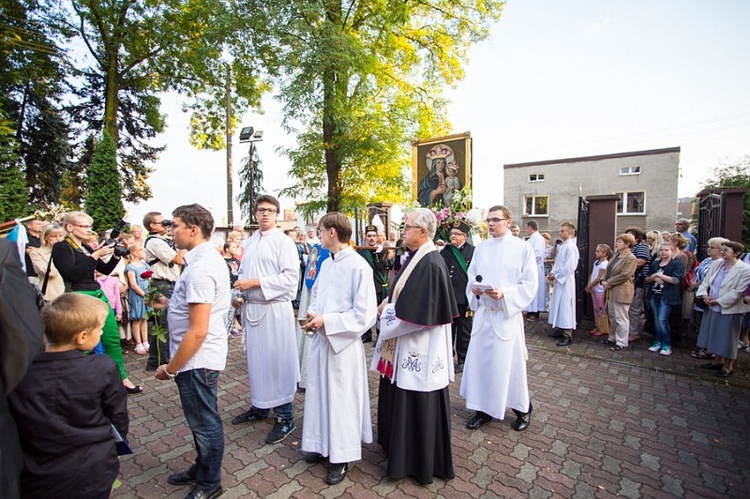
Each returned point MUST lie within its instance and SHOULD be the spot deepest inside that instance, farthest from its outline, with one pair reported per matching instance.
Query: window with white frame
(536, 177)
(631, 203)
(536, 206)
(630, 170)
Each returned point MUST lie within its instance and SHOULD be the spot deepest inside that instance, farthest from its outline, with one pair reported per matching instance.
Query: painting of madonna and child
(441, 167)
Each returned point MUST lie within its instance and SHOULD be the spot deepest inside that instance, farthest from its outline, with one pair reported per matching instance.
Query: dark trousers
(166, 288)
(199, 397)
(461, 329)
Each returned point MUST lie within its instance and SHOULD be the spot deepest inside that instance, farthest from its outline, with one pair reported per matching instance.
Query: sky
(555, 79)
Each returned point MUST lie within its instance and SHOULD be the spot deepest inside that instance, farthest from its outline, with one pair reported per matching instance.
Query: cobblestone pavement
(632, 424)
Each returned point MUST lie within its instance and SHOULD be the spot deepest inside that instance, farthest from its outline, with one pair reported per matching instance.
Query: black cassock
(414, 428)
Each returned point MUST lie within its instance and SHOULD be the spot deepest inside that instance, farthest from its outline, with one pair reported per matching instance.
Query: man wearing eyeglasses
(165, 261)
(413, 355)
(268, 281)
(457, 257)
(502, 283)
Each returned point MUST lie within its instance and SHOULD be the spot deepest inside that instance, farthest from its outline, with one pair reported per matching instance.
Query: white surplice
(268, 318)
(562, 307)
(538, 304)
(494, 375)
(337, 400)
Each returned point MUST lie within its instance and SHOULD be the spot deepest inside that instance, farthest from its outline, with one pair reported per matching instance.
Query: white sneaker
(140, 350)
(146, 345)
(666, 351)
(655, 347)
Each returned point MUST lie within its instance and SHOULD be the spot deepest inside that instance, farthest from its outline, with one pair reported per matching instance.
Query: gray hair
(425, 219)
(717, 240)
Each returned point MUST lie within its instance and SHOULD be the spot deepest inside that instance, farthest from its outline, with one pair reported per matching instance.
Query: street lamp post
(249, 134)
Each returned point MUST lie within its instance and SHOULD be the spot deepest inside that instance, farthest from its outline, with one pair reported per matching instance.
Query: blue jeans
(283, 411)
(198, 394)
(661, 312)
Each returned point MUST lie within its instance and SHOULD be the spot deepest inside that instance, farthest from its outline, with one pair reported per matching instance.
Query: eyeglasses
(495, 220)
(82, 226)
(270, 211)
(407, 227)
(457, 233)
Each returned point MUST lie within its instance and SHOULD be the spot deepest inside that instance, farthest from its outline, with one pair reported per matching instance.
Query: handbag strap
(46, 275)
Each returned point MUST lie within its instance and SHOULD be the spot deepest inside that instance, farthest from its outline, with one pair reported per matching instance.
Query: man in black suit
(457, 257)
(21, 331)
(380, 263)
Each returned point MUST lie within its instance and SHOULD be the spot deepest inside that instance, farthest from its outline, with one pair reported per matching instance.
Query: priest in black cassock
(380, 263)
(457, 257)
(414, 356)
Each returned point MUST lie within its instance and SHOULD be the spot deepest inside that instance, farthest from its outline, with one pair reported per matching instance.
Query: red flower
(147, 274)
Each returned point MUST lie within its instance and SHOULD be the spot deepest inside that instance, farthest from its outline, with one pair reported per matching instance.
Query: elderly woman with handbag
(723, 291)
(618, 283)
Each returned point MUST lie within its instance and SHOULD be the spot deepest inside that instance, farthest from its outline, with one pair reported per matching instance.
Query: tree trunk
(111, 98)
(330, 144)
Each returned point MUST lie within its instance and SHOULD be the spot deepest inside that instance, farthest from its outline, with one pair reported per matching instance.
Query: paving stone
(634, 425)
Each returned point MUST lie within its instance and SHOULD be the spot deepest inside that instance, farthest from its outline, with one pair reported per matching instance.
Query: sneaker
(248, 417)
(281, 430)
(655, 347)
(140, 350)
(666, 351)
(146, 345)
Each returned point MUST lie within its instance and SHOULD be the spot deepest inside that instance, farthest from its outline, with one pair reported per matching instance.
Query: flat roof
(599, 157)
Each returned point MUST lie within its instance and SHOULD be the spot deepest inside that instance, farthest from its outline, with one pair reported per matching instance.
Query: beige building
(548, 191)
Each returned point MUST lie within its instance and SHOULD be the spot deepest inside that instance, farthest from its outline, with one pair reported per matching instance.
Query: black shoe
(182, 477)
(150, 367)
(711, 365)
(607, 341)
(555, 334)
(567, 340)
(366, 338)
(281, 430)
(723, 374)
(205, 494)
(313, 457)
(337, 473)
(478, 420)
(459, 368)
(523, 419)
(247, 417)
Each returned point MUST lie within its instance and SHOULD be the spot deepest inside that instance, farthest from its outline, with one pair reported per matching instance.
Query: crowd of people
(432, 310)
(653, 282)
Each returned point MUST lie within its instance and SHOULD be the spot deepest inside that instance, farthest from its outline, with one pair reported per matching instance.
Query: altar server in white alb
(343, 308)
(268, 279)
(562, 306)
(538, 304)
(502, 283)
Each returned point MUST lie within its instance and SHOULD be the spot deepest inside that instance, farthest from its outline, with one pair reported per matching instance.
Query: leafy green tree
(103, 201)
(14, 194)
(362, 79)
(736, 174)
(46, 150)
(140, 48)
(31, 84)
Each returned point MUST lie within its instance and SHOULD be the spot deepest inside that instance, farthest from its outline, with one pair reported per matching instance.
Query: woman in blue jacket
(664, 293)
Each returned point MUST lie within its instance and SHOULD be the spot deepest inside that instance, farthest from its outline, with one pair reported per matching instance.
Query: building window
(630, 170)
(536, 177)
(631, 203)
(536, 206)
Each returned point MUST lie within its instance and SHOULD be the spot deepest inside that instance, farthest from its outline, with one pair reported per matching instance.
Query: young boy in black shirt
(66, 405)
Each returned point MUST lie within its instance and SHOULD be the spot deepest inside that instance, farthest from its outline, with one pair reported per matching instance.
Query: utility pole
(230, 210)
